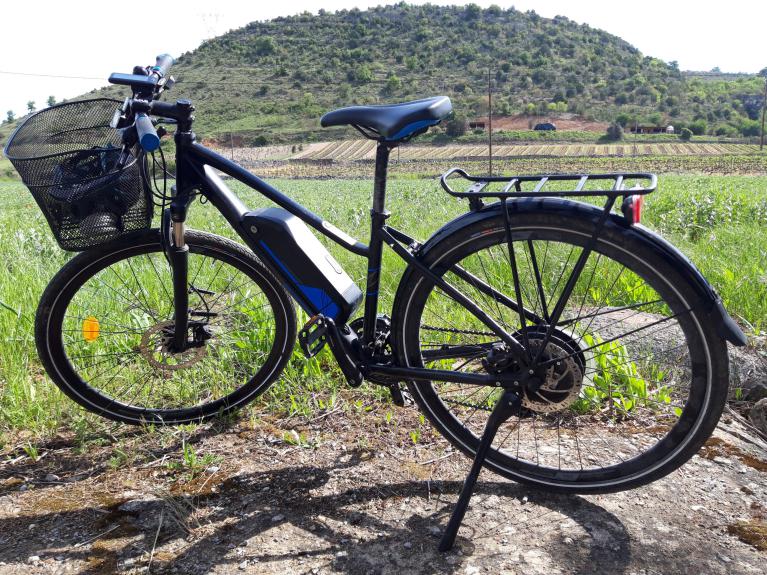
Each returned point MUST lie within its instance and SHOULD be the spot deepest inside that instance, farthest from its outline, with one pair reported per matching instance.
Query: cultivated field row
(351, 150)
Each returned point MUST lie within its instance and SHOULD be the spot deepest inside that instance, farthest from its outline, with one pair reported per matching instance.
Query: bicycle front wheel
(104, 324)
(635, 377)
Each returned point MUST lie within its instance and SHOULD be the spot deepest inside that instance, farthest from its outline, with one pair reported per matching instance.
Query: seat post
(379, 184)
(378, 217)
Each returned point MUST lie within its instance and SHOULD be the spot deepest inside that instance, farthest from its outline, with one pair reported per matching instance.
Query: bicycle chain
(454, 330)
(468, 404)
(467, 332)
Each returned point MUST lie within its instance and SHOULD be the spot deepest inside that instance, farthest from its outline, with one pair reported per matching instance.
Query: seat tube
(378, 217)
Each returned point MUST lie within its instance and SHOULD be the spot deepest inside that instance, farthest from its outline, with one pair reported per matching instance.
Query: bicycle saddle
(395, 122)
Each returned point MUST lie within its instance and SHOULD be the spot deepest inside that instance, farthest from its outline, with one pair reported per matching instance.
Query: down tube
(200, 155)
(290, 251)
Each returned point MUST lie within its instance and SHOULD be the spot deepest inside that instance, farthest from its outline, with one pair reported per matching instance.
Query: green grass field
(718, 221)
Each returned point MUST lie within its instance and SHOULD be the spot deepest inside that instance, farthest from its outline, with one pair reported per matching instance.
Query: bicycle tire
(674, 433)
(98, 327)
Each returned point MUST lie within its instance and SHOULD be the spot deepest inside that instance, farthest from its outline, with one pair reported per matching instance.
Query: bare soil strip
(349, 492)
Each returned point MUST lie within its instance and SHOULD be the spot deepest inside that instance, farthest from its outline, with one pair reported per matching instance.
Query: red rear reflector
(632, 209)
(637, 202)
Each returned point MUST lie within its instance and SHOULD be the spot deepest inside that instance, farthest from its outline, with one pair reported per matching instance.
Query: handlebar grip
(147, 135)
(163, 64)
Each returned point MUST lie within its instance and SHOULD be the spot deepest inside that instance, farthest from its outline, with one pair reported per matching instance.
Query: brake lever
(125, 155)
(129, 138)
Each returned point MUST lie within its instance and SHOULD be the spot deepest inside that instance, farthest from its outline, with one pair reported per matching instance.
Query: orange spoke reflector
(90, 328)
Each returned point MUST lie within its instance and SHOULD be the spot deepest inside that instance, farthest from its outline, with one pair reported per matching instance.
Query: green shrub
(699, 127)
(615, 132)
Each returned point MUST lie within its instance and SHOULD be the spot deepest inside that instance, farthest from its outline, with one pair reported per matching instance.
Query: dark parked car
(545, 126)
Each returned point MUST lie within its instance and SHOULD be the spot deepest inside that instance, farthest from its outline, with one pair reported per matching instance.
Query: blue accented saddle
(392, 123)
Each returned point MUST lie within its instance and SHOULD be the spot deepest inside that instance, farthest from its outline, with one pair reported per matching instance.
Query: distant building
(648, 129)
(546, 126)
(477, 125)
(669, 129)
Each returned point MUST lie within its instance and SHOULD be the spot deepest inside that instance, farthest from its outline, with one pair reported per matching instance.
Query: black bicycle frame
(194, 171)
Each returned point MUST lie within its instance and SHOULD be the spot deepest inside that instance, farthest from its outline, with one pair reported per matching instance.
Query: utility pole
(489, 123)
(636, 129)
(764, 107)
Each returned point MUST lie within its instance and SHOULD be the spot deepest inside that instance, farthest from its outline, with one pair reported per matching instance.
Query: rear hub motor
(557, 381)
(561, 375)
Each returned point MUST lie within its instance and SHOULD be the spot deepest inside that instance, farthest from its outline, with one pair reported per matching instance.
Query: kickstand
(503, 410)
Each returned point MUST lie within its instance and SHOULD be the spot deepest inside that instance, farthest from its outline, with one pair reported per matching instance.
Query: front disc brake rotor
(154, 348)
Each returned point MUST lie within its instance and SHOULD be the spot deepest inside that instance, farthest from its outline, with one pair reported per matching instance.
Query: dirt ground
(350, 492)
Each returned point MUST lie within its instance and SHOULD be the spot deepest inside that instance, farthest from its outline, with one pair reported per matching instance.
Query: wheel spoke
(616, 374)
(126, 361)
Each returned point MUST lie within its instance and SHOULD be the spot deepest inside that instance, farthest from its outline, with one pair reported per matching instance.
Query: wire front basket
(69, 158)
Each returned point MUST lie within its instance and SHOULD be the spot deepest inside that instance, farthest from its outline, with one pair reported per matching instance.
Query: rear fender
(710, 301)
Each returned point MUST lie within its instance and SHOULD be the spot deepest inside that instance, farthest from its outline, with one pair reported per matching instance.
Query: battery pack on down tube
(313, 276)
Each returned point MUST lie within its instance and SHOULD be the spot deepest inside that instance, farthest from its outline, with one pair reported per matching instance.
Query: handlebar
(147, 84)
(147, 135)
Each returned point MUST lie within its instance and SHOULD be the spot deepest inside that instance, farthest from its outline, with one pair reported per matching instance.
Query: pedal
(313, 336)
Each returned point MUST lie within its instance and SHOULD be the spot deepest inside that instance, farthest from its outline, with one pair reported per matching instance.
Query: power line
(49, 75)
(184, 80)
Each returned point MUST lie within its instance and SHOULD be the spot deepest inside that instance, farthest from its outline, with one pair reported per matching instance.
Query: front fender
(710, 301)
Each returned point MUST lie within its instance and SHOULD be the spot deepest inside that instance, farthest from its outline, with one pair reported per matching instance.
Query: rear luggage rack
(534, 186)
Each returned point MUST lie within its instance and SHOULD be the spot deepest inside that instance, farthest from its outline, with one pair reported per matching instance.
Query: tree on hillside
(473, 12)
(51, 101)
(393, 83)
(455, 126)
(615, 132)
(31, 106)
(10, 116)
(625, 119)
(749, 127)
(361, 75)
(656, 119)
(261, 46)
(699, 127)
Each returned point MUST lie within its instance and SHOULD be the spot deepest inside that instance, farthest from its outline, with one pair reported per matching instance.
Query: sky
(92, 39)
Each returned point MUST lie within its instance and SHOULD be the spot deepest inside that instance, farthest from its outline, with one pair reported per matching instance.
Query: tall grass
(717, 221)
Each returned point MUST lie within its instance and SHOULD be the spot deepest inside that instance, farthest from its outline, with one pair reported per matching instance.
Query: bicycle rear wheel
(635, 377)
(104, 324)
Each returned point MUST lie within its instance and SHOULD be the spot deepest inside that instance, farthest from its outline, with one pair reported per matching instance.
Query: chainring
(382, 350)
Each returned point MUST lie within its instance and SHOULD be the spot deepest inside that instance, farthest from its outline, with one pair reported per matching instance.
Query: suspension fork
(178, 255)
(177, 252)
